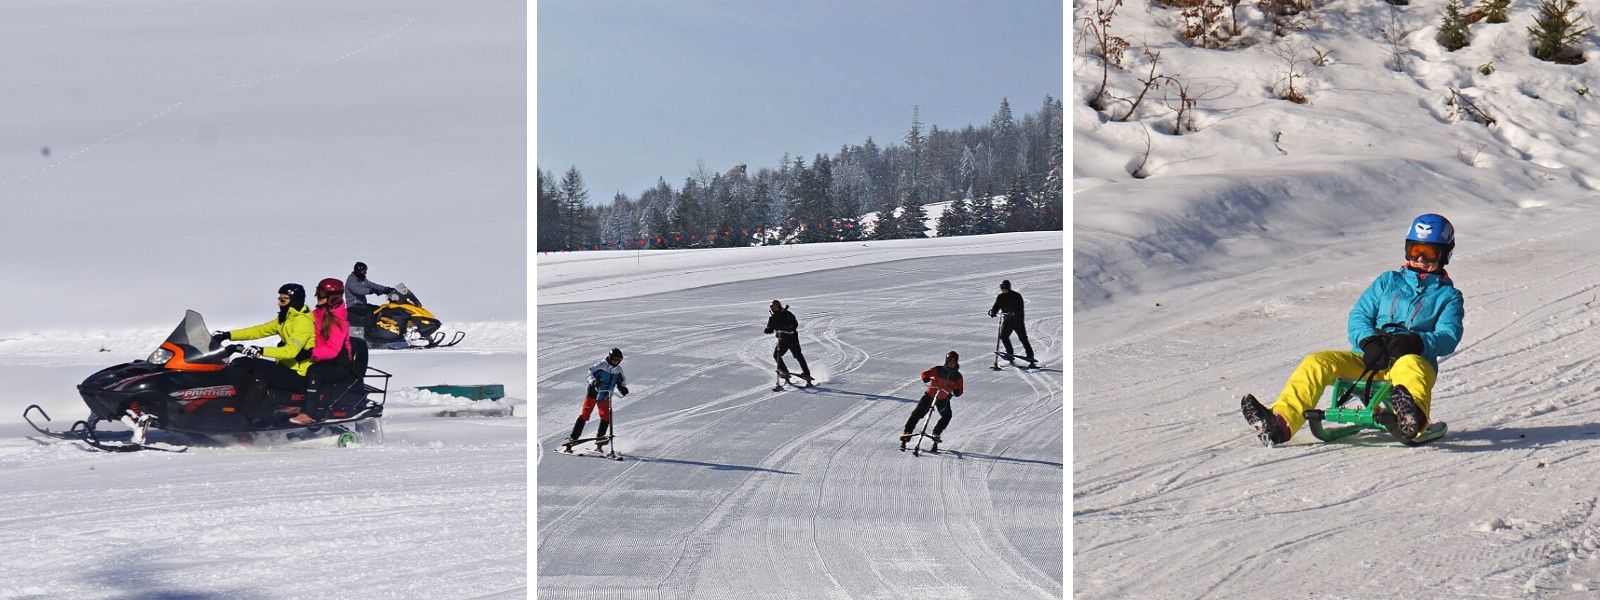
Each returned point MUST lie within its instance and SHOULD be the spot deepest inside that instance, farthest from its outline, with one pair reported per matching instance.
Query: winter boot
(905, 436)
(1406, 412)
(605, 426)
(1271, 429)
(577, 431)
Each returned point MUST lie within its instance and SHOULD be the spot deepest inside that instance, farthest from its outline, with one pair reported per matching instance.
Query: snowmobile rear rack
(1375, 412)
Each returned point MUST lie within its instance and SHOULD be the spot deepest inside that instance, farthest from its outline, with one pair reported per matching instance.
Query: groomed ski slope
(730, 489)
(1244, 250)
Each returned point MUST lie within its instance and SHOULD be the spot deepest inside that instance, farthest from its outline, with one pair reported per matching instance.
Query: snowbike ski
(784, 377)
(598, 451)
(1012, 358)
(917, 451)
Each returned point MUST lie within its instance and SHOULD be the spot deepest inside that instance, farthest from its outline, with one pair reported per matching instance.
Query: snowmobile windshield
(403, 295)
(189, 345)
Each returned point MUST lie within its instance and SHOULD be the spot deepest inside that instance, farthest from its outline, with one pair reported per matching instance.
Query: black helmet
(951, 355)
(360, 266)
(296, 293)
(1005, 284)
(615, 353)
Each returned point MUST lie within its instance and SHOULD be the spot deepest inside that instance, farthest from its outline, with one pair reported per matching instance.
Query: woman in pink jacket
(331, 355)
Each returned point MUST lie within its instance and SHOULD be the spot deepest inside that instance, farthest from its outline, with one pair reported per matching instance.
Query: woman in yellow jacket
(295, 332)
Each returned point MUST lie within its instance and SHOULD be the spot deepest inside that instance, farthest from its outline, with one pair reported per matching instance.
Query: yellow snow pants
(1320, 369)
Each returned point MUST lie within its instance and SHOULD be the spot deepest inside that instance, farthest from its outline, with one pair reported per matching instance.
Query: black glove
(1404, 343)
(623, 389)
(1375, 352)
(594, 390)
(388, 290)
(252, 351)
(304, 354)
(221, 336)
(991, 314)
(767, 330)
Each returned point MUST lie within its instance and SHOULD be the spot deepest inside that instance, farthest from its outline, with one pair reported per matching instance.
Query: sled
(1375, 413)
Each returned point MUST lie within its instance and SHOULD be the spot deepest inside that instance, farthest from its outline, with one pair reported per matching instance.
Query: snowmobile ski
(83, 431)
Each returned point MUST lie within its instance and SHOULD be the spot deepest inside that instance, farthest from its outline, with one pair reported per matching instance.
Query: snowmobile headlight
(159, 357)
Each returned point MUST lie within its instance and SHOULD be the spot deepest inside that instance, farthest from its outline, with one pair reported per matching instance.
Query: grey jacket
(357, 289)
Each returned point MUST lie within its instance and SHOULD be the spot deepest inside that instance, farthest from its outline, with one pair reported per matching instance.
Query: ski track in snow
(806, 486)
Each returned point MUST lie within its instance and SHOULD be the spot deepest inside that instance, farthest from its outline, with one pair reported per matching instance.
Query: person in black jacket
(783, 323)
(1009, 305)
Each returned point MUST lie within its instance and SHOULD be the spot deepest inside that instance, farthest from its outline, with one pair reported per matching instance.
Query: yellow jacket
(295, 333)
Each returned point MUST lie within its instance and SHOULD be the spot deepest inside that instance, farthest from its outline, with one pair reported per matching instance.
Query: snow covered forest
(824, 200)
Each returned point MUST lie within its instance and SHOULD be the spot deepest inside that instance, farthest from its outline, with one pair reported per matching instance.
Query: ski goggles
(1423, 251)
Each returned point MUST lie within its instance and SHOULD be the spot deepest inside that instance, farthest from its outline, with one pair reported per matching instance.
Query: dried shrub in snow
(1109, 48)
(1466, 108)
(1293, 55)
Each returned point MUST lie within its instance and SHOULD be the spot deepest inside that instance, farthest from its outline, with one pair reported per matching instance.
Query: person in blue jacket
(1398, 328)
(603, 378)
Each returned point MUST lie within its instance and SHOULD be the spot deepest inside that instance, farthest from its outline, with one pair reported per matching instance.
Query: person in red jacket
(944, 381)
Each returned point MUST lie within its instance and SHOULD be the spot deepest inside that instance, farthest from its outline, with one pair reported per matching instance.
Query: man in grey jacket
(356, 289)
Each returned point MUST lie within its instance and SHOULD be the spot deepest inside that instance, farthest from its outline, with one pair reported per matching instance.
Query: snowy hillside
(1241, 249)
(164, 156)
(731, 489)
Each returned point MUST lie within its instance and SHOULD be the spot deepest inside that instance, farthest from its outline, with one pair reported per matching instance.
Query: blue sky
(632, 90)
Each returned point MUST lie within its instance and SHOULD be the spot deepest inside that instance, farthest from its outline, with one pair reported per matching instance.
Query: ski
(1012, 358)
(590, 452)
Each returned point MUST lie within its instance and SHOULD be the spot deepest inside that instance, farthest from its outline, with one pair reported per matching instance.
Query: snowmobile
(188, 386)
(1374, 412)
(403, 323)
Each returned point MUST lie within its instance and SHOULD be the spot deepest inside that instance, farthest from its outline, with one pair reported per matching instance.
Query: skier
(356, 289)
(603, 377)
(286, 370)
(783, 323)
(944, 381)
(331, 355)
(1398, 328)
(1009, 305)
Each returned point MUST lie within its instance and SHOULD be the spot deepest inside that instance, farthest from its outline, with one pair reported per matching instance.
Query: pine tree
(984, 219)
(760, 208)
(551, 226)
(888, 226)
(1494, 11)
(1556, 32)
(1453, 34)
(1019, 208)
(575, 209)
(913, 220)
(954, 220)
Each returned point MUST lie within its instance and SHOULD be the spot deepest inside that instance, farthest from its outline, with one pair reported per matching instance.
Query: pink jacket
(339, 338)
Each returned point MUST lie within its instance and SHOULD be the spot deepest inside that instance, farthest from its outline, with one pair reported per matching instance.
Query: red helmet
(331, 289)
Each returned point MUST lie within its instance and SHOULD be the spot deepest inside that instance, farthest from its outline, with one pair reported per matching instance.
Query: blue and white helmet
(1433, 229)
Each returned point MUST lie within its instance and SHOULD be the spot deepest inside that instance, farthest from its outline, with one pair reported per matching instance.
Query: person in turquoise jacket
(1399, 328)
